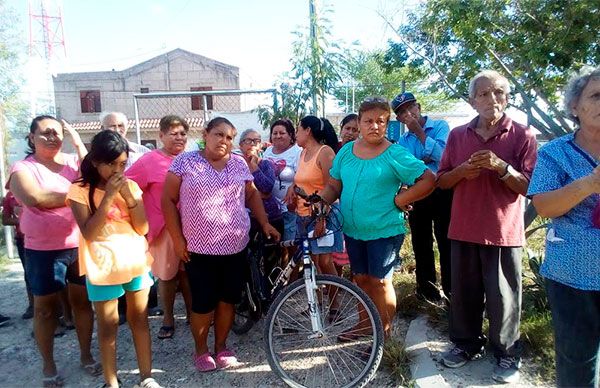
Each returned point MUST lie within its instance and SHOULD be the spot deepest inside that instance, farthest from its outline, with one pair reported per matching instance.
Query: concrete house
(81, 97)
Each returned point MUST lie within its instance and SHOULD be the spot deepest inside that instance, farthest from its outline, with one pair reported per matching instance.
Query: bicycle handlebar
(284, 244)
(311, 199)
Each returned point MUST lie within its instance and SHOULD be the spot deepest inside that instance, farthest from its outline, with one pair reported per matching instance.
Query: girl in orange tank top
(318, 139)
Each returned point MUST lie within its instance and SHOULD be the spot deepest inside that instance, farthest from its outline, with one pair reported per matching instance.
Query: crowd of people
(124, 218)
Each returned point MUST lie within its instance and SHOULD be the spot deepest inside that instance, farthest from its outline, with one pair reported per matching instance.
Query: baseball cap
(402, 99)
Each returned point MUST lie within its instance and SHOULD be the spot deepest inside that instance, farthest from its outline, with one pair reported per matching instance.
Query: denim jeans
(576, 321)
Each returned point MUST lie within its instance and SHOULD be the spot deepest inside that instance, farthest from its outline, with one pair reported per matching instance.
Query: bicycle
(256, 293)
(321, 330)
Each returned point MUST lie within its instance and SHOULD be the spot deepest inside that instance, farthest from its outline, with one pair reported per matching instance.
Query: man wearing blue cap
(426, 139)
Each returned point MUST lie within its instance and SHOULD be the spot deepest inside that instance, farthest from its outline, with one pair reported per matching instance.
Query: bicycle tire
(288, 323)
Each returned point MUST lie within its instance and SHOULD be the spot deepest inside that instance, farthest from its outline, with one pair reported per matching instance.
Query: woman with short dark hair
(284, 153)
(204, 203)
(149, 172)
(40, 182)
(366, 176)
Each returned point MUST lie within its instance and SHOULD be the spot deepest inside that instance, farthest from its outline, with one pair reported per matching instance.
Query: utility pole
(312, 10)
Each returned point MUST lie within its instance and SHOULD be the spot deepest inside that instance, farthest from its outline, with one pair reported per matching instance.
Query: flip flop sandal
(94, 369)
(205, 362)
(166, 332)
(225, 359)
(53, 382)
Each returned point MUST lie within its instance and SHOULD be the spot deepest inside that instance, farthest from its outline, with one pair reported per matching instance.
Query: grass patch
(410, 306)
(397, 360)
(4, 262)
(537, 333)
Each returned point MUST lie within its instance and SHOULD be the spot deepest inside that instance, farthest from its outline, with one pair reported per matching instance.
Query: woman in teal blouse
(367, 175)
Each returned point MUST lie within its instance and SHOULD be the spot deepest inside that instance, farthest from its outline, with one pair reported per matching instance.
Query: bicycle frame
(309, 280)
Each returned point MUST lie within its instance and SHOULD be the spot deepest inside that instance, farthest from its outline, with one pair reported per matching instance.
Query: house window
(197, 100)
(90, 101)
(144, 90)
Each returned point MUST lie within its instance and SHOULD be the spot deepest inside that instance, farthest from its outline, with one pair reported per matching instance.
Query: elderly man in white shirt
(117, 121)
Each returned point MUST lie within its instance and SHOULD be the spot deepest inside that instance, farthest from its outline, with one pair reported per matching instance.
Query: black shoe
(28, 314)
(4, 320)
(456, 357)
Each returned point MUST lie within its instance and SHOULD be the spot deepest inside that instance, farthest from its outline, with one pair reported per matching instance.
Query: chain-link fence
(197, 108)
(434, 102)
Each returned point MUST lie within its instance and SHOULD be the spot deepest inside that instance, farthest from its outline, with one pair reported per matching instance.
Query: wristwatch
(510, 171)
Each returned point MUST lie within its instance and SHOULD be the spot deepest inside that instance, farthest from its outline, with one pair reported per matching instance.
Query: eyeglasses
(250, 142)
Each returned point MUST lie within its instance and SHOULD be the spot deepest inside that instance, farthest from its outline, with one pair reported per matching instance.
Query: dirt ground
(20, 364)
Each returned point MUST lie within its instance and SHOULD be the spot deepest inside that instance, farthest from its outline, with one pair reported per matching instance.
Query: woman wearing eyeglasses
(263, 172)
(284, 153)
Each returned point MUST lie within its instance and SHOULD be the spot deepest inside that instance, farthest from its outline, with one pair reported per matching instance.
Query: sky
(254, 35)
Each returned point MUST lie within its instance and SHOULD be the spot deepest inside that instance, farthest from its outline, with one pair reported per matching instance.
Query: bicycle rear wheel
(247, 312)
(348, 351)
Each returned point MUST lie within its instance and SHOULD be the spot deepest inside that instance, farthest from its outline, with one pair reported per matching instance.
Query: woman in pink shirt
(40, 182)
(149, 172)
(204, 203)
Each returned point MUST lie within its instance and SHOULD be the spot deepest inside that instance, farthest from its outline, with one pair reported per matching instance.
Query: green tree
(381, 73)
(315, 69)
(534, 43)
(291, 104)
(13, 110)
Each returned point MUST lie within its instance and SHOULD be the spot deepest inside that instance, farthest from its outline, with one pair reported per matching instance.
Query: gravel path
(20, 364)
(476, 373)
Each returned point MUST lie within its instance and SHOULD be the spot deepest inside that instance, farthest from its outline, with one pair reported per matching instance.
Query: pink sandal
(205, 362)
(225, 359)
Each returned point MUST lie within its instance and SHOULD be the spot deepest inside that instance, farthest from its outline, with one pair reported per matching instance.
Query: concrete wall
(177, 70)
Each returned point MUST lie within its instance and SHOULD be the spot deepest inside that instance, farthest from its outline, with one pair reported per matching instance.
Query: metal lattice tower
(46, 48)
(46, 31)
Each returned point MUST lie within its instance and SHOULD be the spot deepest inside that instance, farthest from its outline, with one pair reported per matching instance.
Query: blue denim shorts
(289, 226)
(102, 293)
(50, 271)
(376, 258)
(306, 225)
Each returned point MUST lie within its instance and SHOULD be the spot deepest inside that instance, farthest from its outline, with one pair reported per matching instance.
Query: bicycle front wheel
(348, 350)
